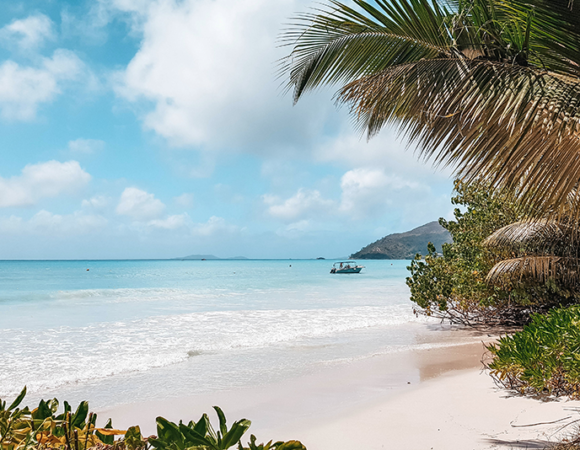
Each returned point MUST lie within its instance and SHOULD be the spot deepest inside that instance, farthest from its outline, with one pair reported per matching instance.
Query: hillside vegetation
(406, 245)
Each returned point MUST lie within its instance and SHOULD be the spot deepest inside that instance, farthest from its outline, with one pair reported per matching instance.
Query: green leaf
(192, 437)
(18, 399)
(236, 432)
(202, 427)
(222, 420)
(42, 412)
(109, 440)
(169, 433)
(78, 419)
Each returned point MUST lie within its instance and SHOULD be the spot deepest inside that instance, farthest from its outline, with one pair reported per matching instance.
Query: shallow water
(126, 331)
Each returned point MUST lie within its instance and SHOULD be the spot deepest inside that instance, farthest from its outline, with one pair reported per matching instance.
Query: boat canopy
(337, 264)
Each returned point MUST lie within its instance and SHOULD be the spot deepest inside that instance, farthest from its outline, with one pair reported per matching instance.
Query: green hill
(405, 245)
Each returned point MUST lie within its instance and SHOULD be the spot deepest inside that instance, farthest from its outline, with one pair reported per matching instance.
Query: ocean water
(126, 331)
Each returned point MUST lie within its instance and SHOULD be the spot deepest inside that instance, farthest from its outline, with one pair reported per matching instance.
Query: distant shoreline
(184, 259)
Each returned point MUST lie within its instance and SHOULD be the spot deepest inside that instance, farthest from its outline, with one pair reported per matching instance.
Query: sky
(160, 128)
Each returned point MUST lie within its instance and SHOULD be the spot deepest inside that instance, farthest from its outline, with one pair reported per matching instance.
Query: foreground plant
(544, 358)
(23, 428)
(42, 429)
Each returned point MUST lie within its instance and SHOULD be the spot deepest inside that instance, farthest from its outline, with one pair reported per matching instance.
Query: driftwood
(488, 317)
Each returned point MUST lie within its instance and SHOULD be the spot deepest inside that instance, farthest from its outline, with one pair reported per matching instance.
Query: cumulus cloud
(28, 33)
(214, 226)
(45, 222)
(171, 222)
(86, 146)
(139, 205)
(368, 192)
(304, 203)
(23, 89)
(98, 203)
(209, 69)
(185, 200)
(387, 150)
(365, 192)
(42, 180)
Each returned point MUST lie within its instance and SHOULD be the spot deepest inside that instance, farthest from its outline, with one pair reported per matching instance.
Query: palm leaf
(536, 269)
(341, 44)
(490, 87)
(540, 236)
(513, 126)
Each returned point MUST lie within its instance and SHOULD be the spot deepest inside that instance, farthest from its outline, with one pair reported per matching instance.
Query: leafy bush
(22, 428)
(454, 286)
(42, 429)
(544, 358)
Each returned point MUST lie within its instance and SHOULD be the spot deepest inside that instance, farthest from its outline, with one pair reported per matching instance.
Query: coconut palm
(491, 87)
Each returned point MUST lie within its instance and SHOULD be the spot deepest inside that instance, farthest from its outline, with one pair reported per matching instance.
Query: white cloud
(304, 203)
(365, 193)
(78, 222)
(11, 225)
(98, 203)
(214, 226)
(23, 89)
(387, 150)
(369, 192)
(139, 205)
(185, 200)
(171, 222)
(45, 222)
(27, 33)
(209, 68)
(42, 180)
(86, 146)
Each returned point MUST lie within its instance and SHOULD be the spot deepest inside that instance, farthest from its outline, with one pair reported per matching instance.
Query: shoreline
(436, 398)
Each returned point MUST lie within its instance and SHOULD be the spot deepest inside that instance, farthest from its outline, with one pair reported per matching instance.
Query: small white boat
(346, 267)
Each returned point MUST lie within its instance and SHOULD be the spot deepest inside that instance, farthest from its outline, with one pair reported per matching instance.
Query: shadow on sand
(519, 444)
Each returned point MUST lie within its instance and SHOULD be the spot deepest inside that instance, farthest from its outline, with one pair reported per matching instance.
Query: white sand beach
(423, 399)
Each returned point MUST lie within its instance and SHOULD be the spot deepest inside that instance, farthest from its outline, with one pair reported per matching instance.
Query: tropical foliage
(41, 428)
(544, 358)
(489, 86)
(23, 428)
(467, 284)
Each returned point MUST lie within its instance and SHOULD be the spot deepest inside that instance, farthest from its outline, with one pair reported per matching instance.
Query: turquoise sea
(122, 331)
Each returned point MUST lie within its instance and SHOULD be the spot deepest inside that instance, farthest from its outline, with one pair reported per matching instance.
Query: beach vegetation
(543, 359)
(489, 87)
(495, 271)
(43, 429)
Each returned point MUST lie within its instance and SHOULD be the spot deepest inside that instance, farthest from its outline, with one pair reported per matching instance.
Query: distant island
(406, 245)
(209, 257)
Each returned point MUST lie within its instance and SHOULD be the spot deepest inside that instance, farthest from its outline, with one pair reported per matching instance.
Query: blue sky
(158, 129)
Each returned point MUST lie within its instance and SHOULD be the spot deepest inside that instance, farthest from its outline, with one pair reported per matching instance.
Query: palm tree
(491, 87)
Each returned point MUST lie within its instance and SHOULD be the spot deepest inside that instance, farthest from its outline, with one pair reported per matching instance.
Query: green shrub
(544, 358)
(42, 429)
(453, 285)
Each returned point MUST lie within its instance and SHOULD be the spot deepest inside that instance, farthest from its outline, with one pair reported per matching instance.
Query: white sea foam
(54, 357)
(132, 329)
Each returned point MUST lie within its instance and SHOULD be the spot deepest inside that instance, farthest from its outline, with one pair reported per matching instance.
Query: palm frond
(536, 269)
(540, 236)
(514, 126)
(341, 44)
(555, 34)
(490, 87)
